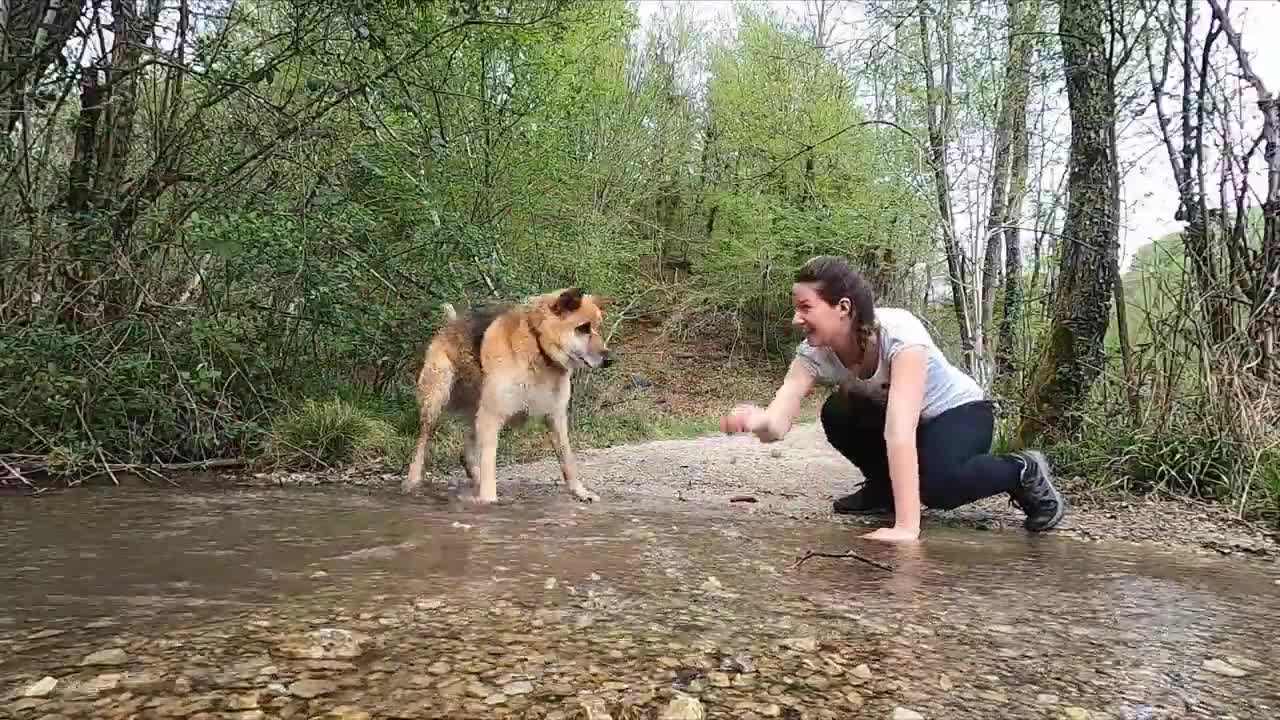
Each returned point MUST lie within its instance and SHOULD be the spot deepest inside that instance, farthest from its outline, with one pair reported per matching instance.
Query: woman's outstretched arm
(772, 424)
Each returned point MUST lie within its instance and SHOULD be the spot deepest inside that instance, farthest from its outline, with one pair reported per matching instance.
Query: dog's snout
(607, 360)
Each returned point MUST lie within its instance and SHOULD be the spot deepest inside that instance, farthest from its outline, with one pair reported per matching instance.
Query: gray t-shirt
(946, 386)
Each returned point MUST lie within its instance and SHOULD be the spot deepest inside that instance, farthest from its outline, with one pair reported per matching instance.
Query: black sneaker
(1037, 497)
(864, 501)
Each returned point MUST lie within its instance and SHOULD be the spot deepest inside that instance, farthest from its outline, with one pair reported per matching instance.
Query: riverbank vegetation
(226, 227)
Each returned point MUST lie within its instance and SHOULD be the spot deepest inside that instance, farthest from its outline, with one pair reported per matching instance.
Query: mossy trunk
(1072, 350)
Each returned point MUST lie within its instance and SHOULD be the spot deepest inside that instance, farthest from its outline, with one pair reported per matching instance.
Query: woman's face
(823, 324)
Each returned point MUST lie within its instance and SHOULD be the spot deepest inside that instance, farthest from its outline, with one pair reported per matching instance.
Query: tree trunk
(1265, 328)
(938, 109)
(1072, 349)
(1018, 93)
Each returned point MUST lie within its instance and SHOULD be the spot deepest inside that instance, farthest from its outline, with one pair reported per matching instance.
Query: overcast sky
(1150, 196)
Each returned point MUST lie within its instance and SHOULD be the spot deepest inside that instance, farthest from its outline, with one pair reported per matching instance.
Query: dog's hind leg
(470, 452)
(435, 383)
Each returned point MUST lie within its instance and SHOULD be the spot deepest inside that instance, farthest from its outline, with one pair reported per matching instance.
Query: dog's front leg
(488, 425)
(558, 424)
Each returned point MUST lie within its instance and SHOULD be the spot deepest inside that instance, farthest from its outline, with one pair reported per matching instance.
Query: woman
(918, 428)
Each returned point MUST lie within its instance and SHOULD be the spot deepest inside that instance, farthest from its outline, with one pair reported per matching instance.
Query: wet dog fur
(502, 364)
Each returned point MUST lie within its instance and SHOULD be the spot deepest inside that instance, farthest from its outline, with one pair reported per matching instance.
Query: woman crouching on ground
(918, 428)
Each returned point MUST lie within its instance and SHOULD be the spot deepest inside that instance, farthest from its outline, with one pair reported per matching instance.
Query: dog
(503, 364)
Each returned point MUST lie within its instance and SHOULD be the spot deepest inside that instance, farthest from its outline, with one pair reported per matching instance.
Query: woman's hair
(835, 280)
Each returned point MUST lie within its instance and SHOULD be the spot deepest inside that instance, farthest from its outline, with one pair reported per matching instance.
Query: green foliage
(328, 433)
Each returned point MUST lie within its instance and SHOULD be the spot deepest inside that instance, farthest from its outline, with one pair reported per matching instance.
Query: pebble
(801, 644)
(683, 707)
(308, 689)
(1221, 667)
(901, 713)
(518, 687)
(41, 688)
(112, 656)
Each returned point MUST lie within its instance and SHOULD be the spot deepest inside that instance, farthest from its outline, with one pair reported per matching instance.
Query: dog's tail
(449, 313)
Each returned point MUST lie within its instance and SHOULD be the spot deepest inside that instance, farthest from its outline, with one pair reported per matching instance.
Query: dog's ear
(569, 301)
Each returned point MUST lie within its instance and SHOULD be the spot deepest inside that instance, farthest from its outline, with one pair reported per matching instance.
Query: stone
(683, 707)
(593, 709)
(901, 713)
(495, 699)
(854, 698)
(718, 679)
(945, 683)
(325, 644)
(111, 656)
(862, 672)
(1221, 667)
(1076, 713)
(41, 688)
(308, 689)
(1047, 699)
(518, 687)
(439, 667)
(801, 644)
(245, 715)
(243, 701)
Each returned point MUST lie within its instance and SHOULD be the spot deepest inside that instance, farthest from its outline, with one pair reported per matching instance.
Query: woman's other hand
(742, 419)
(894, 534)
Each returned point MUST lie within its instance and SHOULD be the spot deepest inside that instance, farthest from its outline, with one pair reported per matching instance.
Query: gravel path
(799, 477)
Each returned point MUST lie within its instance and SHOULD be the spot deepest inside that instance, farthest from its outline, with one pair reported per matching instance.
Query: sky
(1149, 194)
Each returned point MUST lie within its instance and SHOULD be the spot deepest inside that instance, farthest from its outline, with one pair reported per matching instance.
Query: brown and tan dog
(506, 363)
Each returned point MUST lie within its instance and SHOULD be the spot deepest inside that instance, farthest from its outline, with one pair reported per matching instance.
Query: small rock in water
(1047, 699)
(550, 584)
(308, 689)
(738, 663)
(945, 683)
(345, 712)
(325, 644)
(712, 584)
(593, 709)
(683, 707)
(1220, 667)
(854, 698)
(802, 644)
(862, 672)
(901, 713)
(246, 701)
(113, 656)
(41, 688)
(519, 687)
(1077, 713)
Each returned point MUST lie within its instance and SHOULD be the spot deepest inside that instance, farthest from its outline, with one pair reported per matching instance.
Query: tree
(1072, 348)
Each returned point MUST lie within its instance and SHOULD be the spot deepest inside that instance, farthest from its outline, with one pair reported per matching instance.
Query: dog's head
(570, 328)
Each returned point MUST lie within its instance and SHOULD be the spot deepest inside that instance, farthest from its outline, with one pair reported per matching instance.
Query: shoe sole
(1042, 465)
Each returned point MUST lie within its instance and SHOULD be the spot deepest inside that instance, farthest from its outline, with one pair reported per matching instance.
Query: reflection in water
(611, 601)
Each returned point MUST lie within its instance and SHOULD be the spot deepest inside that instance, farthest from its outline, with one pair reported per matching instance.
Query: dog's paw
(478, 500)
(584, 495)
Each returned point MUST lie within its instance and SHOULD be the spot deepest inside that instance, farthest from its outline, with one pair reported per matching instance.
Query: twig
(846, 554)
(16, 475)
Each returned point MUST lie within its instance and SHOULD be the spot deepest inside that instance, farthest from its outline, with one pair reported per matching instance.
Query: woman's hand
(743, 418)
(894, 534)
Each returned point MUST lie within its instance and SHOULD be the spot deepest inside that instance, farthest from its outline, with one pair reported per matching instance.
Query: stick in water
(846, 554)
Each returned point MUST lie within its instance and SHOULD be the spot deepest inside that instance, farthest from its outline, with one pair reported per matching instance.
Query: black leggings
(952, 448)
